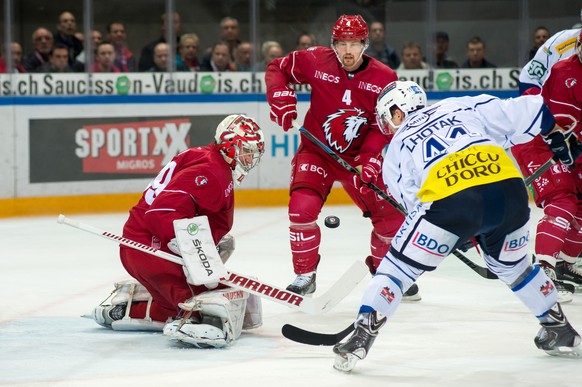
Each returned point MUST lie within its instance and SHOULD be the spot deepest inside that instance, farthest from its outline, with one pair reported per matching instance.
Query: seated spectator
(161, 57)
(58, 60)
(219, 59)
(378, 47)
(243, 56)
(304, 41)
(66, 29)
(42, 39)
(105, 59)
(146, 59)
(124, 58)
(96, 39)
(16, 50)
(411, 56)
(186, 60)
(270, 50)
(476, 55)
(230, 33)
(441, 49)
(541, 34)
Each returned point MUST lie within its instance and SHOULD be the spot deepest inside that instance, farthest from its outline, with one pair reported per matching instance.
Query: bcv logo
(516, 244)
(430, 245)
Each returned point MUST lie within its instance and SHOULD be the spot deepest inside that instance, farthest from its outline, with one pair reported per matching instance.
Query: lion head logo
(342, 127)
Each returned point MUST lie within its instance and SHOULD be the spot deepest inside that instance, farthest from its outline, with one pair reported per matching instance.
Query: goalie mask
(241, 142)
(407, 96)
(579, 45)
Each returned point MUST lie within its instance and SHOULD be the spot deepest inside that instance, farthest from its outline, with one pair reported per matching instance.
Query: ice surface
(466, 331)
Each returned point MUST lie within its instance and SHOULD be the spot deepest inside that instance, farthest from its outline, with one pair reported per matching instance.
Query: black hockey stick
(538, 172)
(302, 336)
(482, 271)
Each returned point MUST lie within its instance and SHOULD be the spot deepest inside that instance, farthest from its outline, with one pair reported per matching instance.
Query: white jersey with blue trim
(559, 46)
(451, 125)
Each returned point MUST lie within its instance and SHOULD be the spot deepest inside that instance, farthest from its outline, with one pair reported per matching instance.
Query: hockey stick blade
(311, 305)
(302, 336)
(482, 271)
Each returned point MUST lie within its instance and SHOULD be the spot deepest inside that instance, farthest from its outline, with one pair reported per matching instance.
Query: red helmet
(349, 27)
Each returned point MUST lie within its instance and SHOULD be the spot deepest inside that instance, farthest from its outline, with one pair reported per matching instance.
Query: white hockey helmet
(241, 142)
(579, 45)
(407, 96)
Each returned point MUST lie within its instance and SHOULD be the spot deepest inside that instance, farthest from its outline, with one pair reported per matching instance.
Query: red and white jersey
(342, 111)
(562, 92)
(196, 182)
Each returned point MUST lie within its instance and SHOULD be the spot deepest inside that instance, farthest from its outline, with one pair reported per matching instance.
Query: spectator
(441, 49)
(105, 59)
(243, 57)
(476, 55)
(58, 60)
(219, 59)
(161, 57)
(96, 39)
(65, 34)
(379, 49)
(186, 60)
(17, 67)
(42, 40)
(412, 57)
(270, 50)
(124, 58)
(304, 41)
(146, 60)
(230, 33)
(541, 34)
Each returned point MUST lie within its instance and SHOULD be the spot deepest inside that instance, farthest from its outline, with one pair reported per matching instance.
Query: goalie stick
(482, 271)
(311, 305)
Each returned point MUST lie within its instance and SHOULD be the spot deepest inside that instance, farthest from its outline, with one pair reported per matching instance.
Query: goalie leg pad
(195, 334)
(126, 293)
(253, 313)
(224, 309)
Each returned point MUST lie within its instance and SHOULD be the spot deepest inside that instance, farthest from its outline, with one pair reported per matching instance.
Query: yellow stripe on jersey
(473, 166)
(565, 45)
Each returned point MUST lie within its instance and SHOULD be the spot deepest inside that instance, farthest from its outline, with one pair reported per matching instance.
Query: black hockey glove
(565, 146)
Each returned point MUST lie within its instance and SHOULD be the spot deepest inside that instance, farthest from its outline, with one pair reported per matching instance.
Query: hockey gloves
(283, 104)
(564, 145)
(371, 168)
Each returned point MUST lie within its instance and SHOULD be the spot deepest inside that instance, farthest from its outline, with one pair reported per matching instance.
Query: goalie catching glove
(283, 104)
(564, 145)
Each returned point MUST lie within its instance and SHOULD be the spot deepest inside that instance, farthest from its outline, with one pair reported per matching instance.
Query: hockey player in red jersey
(559, 191)
(345, 84)
(197, 182)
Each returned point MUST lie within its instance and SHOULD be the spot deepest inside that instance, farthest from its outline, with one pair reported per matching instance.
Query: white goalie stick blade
(313, 305)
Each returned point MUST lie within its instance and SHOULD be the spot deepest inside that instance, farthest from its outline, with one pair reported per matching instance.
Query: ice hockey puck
(332, 221)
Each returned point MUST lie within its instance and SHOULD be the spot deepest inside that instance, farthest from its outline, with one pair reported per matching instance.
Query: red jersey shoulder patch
(200, 180)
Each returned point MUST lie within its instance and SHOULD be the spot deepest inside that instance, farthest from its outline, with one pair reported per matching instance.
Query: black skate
(359, 344)
(411, 294)
(565, 290)
(303, 284)
(568, 272)
(557, 337)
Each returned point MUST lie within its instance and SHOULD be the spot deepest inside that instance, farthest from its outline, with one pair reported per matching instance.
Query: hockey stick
(482, 271)
(540, 171)
(302, 336)
(310, 305)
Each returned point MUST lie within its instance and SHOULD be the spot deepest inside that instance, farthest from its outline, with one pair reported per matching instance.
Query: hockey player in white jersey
(559, 46)
(448, 167)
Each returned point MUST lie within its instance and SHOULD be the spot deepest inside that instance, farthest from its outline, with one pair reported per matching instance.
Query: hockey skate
(568, 272)
(104, 315)
(359, 344)
(304, 284)
(557, 337)
(565, 290)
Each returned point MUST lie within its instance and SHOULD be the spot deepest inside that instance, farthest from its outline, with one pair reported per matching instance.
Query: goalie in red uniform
(345, 85)
(559, 190)
(197, 182)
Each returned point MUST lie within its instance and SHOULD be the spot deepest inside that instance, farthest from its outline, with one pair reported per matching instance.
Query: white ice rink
(466, 331)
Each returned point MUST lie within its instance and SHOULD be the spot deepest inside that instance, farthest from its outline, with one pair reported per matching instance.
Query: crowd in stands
(63, 50)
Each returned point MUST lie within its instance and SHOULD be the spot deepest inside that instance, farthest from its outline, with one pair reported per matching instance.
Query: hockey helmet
(407, 96)
(349, 27)
(579, 45)
(241, 142)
